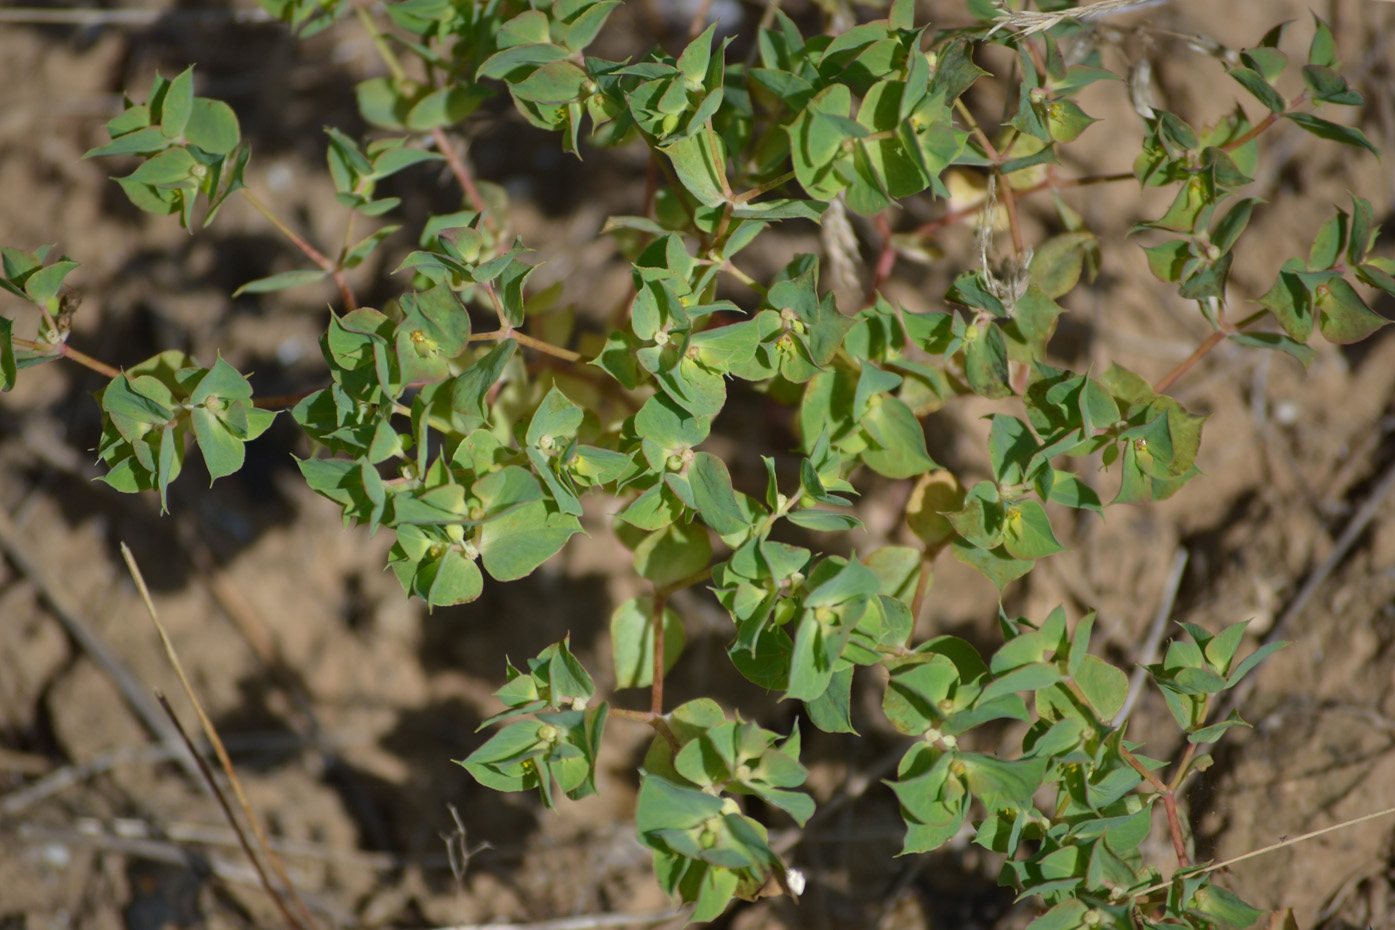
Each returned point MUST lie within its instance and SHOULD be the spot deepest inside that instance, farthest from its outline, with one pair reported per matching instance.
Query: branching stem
(67, 351)
(341, 279)
(531, 342)
(1211, 341)
(1169, 799)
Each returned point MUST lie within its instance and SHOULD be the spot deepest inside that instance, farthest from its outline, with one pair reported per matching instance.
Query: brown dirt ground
(343, 704)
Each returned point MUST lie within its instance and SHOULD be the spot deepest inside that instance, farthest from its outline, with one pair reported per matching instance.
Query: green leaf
(556, 82)
(1322, 51)
(7, 354)
(524, 537)
(1343, 316)
(1027, 532)
(177, 105)
(986, 363)
(282, 281)
(1333, 132)
(1103, 685)
(1056, 263)
(700, 162)
(1278, 341)
(444, 106)
(995, 564)
(170, 167)
(449, 580)
(140, 142)
(1264, 92)
(471, 386)
(1329, 244)
(632, 642)
(673, 553)
(824, 521)
(43, 284)
(1011, 446)
(712, 491)
(898, 440)
(557, 417)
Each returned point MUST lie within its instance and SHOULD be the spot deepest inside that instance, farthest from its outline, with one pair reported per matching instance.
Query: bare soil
(343, 704)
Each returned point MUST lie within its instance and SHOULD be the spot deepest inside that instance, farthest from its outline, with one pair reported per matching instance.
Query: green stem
(695, 578)
(764, 188)
(380, 43)
(529, 341)
(656, 621)
(745, 279)
(67, 351)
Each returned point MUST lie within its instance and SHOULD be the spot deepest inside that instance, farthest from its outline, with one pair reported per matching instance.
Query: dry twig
(305, 920)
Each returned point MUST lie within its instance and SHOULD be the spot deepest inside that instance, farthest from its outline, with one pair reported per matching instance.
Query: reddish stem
(886, 259)
(82, 358)
(1264, 124)
(62, 348)
(1169, 799)
(1211, 341)
(340, 276)
(462, 175)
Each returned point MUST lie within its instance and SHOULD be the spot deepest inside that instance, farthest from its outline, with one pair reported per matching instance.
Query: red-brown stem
(997, 159)
(1263, 124)
(656, 692)
(1188, 363)
(341, 278)
(82, 358)
(462, 174)
(1211, 341)
(1169, 799)
(67, 351)
(886, 259)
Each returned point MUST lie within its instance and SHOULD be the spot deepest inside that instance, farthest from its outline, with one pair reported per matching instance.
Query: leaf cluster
(459, 418)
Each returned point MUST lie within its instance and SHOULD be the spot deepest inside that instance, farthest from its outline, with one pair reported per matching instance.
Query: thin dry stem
(291, 919)
(1274, 847)
(211, 732)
